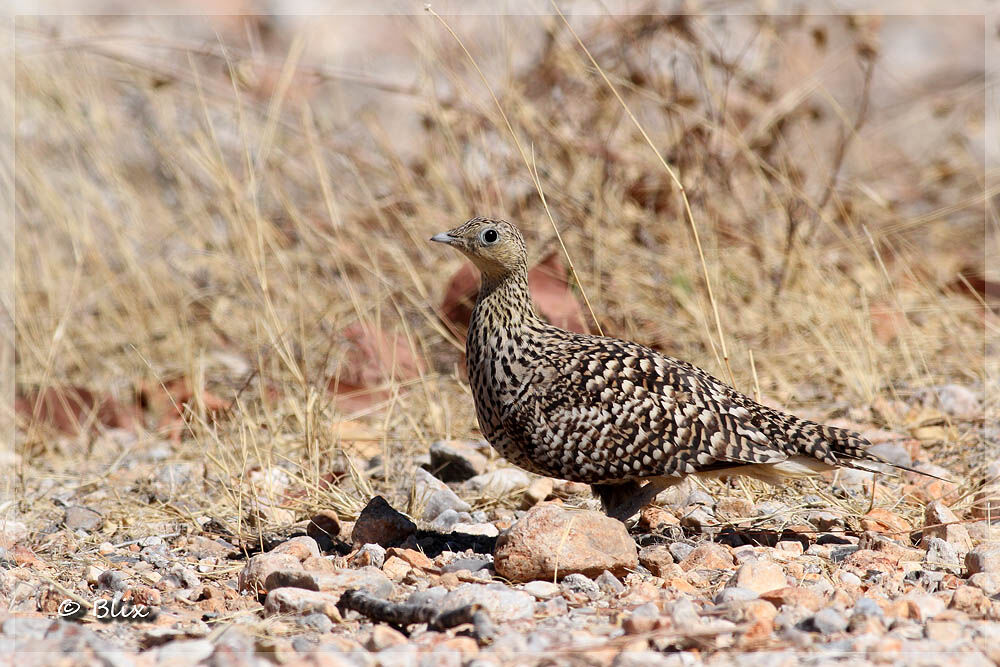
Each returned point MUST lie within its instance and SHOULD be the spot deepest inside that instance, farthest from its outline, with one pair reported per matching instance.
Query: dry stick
(673, 176)
(527, 163)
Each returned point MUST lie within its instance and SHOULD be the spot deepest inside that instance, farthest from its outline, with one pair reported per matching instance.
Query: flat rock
(502, 602)
(456, 460)
(380, 524)
(550, 540)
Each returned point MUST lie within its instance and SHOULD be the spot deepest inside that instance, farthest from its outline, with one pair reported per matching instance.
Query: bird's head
(494, 246)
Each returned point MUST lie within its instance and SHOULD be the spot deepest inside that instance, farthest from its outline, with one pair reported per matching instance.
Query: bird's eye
(489, 236)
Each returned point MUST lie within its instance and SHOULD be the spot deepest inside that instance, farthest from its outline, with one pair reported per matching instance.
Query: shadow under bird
(612, 413)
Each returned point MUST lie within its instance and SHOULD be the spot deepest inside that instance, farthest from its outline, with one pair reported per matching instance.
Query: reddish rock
(793, 596)
(970, 600)
(411, 556)
(301, 547)
(709, 556)
(656, 519)
(657, 559)
(550, 541)
(380, 524)
(396, 568)
(883, 521)
(759, 576)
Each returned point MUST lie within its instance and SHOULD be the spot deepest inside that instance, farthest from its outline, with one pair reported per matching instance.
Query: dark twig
(401, 614)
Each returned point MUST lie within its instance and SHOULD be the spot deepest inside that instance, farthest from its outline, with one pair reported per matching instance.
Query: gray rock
(699, 497)
(829, 621)
(435, 496)
(26, 627)
(447, 519)
(579, 583)
(866, 607)
(455, 460)
(502, 603)
(771, 507)
(734, 594)
(542, 590)
(82, 518)
(682, 612)
(986, 582)
(956, 400)
(431, 596)
(893, 452)
(317, 622)
(838, 554)
(942, 553)
(698, 518)
(112, 580)
(680, 550)
(609, 584)
(185, 651)
(470, 564)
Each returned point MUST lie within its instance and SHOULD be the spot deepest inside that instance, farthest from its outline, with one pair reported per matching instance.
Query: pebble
(112, 580)
(941, 522)
(502, 602)
(735, 593)
(984, 558)
(642, 619)
(954, 399)
(680, 550)
(829, 621)
(709, 556)
(470, 564)
(538, 491)
(942, 554)
(759, 576)
(484, 529)
(608, 584)
(579, 583)
(656, 558)
(435, 496)
(893, 452)
(380, 524)
(446, 520)
(541, 589)
(82, 518)
(12, 532)
(500, 483)
(455, 460)
(987, 582)
(549, 539)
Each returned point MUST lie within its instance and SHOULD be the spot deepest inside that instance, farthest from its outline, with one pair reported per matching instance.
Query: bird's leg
(622, 501)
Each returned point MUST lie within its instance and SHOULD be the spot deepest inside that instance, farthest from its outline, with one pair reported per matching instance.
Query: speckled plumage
(609, 412)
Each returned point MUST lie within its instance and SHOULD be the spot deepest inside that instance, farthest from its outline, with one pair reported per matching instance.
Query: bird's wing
(604, 408)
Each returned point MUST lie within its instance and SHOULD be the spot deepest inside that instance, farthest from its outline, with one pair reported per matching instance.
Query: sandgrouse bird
(611, 413)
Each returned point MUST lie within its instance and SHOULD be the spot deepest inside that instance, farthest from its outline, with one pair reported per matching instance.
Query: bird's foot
(625, 500)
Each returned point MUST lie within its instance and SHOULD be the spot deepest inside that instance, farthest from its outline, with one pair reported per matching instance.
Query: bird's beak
(443, 237)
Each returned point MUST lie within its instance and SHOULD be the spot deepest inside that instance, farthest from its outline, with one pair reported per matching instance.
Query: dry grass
(208, 211)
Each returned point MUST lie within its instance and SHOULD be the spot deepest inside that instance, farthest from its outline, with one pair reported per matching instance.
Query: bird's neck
(504, 300)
